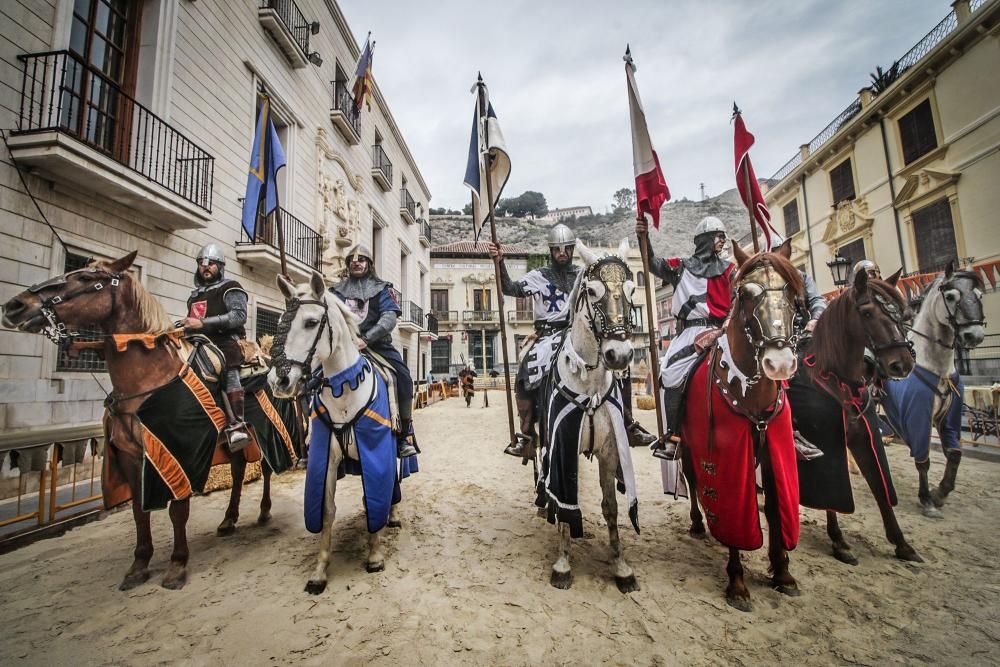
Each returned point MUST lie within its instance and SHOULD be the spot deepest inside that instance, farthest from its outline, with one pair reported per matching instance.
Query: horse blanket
(539, 359)
(908, 405)
(557, 489)
(825, 482)
(376, 444)
(180, 438)
(721, 443)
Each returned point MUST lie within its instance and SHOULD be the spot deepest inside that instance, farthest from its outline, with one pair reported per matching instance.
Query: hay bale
(645, 402)
(220, 477)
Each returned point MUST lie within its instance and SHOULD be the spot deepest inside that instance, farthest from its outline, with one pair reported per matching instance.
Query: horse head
(602, 297)
(313, 327)
(883, 317)
(766, 295)
(87, 296)
(961, 306)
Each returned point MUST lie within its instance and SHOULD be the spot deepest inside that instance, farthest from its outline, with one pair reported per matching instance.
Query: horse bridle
(947, 284)
(605, 318)
(279, 361)
(894, 313)
(56, 330)
(764, 341)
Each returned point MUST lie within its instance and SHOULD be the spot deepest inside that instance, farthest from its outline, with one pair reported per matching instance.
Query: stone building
(557, 214)
(906, 175)
(133, 123)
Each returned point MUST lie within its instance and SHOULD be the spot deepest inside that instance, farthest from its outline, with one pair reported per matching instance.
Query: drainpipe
(804, 151)
(892, 194)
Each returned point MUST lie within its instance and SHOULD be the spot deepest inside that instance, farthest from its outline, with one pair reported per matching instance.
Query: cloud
(557, 82)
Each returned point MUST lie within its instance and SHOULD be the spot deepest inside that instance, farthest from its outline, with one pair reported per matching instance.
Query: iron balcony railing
(432, 323)
(294, 21)
(479, 316)
(343, 101)
(521, 316)
(412, 313)
(446, 315)
(425, 230)
(381, 161)
(407, 202)
(60, 92)
(301, 242)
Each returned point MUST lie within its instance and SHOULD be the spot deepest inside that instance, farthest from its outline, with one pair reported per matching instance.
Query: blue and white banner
(266, 158)
(488, 160)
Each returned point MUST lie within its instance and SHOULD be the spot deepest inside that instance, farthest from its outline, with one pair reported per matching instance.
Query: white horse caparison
(583, 348)
(335, 351)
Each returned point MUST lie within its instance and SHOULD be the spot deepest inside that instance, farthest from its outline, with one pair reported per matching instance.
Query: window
(481, 300)
(267, 322)
(842, 182)
(377, 243)
(916, 132)
(440, 355)
(476, 349)
(404, 270)
(935, 236)
(88, 360)
(791, 213)
(640, 279)
(439, 302)
(854, 251)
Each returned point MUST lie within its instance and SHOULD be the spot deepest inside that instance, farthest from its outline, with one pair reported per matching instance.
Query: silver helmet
(560, 236)
(869, 267)
(211, 252)
(709, 225)
(359, 251)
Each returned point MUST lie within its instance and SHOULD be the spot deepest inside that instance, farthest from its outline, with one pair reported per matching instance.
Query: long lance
(496, 262)
(653, 355)
(265, 169)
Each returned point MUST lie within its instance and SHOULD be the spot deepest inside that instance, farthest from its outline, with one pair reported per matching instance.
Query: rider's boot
(237, 433)
(404, 443)
(667, 448)
(637, 435)
(525, 445)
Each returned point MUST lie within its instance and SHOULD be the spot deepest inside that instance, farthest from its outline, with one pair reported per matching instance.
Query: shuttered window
(88, 360)
(791, 213)
(854, 251)
(935, 235)
(842, 182)
(916, 132)
(267, 322)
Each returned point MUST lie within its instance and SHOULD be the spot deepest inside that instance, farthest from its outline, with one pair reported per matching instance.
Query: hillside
(677, 223)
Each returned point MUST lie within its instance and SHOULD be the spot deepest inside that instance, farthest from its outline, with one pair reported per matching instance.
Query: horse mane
(840, 319)
(152, 316)
(784, 268)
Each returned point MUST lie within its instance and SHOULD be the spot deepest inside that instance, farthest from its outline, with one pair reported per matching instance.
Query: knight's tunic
(209, 301)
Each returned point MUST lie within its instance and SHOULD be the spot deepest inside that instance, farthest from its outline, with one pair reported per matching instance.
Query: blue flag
(488, 160)
(266, 158)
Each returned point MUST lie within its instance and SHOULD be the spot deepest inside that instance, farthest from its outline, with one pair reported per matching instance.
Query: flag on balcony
(745, 176)
(488, 161)
(363, 82)
(266, 158)
(650, 186)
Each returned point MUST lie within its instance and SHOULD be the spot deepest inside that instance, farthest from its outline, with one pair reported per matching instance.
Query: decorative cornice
(326, 151)
(922, 183)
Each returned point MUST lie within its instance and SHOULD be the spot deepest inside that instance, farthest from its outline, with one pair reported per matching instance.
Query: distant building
(558, 214)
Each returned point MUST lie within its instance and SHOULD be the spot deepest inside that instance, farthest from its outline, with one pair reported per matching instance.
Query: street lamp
(840, 267)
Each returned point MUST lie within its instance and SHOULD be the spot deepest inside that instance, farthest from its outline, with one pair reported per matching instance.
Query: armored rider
(373, 302)
(549, 288)
(217, 308)
(702, 298)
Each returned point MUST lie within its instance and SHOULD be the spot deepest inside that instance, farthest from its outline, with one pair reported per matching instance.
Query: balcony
(425, 232)
(479, 316)
(446, 316)
(381, 168)
(344, 115)
(289, 28)
(432, 323)
(412, 318)
(76, 126)
(303, 246)
(407, 207)
(515, 316)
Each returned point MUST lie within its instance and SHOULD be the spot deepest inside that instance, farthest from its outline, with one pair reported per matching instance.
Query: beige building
(557, 214)
(907, 175)
(149, 150)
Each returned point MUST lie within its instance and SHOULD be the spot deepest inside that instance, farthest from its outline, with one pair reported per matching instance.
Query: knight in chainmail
(549, 288)
(374, 303)
(217, 308)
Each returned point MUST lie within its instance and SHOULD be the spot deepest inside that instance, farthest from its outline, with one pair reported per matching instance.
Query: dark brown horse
(105, 294)
(833, 399)
(736, 417)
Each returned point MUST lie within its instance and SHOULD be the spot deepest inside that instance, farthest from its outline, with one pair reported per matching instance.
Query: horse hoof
(785, 589)
(908, 553)
(226, 528)
(375, 567)
(315, 587)
(938, 498)
(394, 523)
(133, 579)
(627, 584)
(561, 580)
(264, 519)
(930, 511)
(845, 556)
(739, 603)
(175, 580)
(697, 530)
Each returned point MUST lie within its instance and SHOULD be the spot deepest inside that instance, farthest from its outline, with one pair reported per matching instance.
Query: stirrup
(638, 436)
(666, 450)
(525, 444)
(237, 438)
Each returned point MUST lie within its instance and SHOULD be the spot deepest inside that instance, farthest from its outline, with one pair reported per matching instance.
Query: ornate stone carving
(340, 208)
(848, 218)
(923, 183)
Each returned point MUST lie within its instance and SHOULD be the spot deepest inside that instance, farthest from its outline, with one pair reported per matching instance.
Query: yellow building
(907, 174)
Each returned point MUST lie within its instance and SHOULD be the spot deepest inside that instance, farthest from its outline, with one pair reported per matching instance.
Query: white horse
(598, 344)
(321, 327)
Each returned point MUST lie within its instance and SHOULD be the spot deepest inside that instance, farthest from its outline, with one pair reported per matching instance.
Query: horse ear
(894, 278)
(318, 284)
(741, 257)
(623, 249)
(586, 254)
(950, 269)
(785, 249)
(286, 287)
(121, 264)
(861, 282)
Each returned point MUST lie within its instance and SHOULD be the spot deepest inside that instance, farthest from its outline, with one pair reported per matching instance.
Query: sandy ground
(466, 579)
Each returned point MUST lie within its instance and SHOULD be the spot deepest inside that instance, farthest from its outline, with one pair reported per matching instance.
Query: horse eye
(951, 296)
(87, 276)
(311, 323)
(591, 292)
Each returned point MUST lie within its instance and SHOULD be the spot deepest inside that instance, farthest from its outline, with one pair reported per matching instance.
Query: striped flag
(650, 186)
(266, 158)
(363, 82)
(488, 161)
(745, 176)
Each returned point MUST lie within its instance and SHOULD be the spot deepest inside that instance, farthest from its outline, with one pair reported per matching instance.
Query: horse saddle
(385, 369)
(209, 362)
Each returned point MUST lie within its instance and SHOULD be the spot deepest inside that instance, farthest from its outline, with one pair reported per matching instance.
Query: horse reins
(606, 328)
(279, 361)
(56, 330)
(952, 314)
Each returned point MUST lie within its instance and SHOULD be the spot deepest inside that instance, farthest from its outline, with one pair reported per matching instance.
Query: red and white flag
(650, 186)
(753, 200)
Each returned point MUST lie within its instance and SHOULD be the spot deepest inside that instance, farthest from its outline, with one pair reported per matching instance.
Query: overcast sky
(556, 78)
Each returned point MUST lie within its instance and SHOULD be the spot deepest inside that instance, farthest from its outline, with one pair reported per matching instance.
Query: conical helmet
(560, 236)
(211, 252)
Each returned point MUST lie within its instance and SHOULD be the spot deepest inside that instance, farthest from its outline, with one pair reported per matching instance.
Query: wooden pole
(753, 220)
(266, 138)
(654, 363)
(496, 267)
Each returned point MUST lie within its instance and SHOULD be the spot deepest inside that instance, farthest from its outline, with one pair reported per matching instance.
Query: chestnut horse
(833, 400)
(105, 294)
(736, 418)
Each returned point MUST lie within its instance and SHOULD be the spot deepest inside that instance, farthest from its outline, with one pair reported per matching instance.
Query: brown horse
(736, 418)
(833, 399)
(105, 294)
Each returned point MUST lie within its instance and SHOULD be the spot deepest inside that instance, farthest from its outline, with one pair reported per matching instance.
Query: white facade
(198, 67)
(563, 213)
